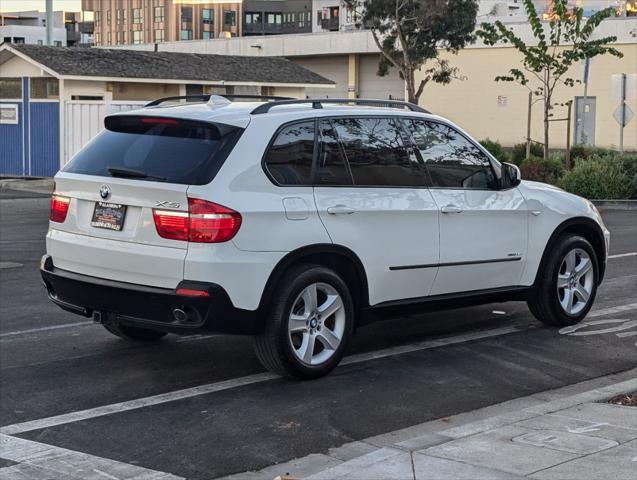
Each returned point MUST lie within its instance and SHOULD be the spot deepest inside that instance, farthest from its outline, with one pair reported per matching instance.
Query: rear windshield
(157, 149)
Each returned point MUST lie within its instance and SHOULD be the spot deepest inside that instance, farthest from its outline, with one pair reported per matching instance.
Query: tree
(563, 41)
(409, 34)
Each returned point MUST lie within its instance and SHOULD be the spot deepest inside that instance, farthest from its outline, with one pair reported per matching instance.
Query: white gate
(84, 119)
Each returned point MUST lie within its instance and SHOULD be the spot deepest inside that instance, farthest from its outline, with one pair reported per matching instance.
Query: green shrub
(495, 149)
(519, 152)
(585, 152)
(610, 176)
(540, 170)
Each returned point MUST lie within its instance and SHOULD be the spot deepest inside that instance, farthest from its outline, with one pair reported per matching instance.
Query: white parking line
(237, 382)
(262, 377)
(621, 255)
(44, 329)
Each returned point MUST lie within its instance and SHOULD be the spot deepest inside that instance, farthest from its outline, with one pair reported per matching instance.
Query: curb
(616, 204)
(462, 425)
(33, 185)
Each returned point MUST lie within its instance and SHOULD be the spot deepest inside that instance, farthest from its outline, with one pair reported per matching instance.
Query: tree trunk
(410, 81)
(546, 128)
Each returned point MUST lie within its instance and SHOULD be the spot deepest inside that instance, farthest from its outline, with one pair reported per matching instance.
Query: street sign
(628, 115)
(616, 86)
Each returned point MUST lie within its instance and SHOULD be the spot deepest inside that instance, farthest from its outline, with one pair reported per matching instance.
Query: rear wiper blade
(130, 173)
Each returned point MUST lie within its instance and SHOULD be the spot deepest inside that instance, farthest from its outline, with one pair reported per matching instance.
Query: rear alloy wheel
(567, 285)
(310, 322)
(136, 334)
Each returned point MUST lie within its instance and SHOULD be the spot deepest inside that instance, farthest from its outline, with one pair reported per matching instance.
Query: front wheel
(310, 322)
(567, 284)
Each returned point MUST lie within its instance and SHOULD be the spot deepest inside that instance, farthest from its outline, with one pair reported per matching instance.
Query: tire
(573, 261)
(293, 323)
(135, 334)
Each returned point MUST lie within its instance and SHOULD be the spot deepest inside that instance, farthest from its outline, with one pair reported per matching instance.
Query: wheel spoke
(330, 306)
(562, 281)
(306, 350)
(328, 338)
(310, 298)
(581, 293)
(298, 323)
(570, 260)
(584, 267)
(567, 301)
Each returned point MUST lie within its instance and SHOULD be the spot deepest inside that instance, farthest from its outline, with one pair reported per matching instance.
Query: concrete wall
(332, 67)
(373, 86)
(473, 103)
(32, 34)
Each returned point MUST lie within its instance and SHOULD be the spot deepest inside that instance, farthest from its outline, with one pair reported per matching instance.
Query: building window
(10, 88)
(273, 19)
(137, 15)
(40, 42)
(207, 16)
(159, 14)
(109, 38)
(159, 35)
(108, 18)
(304, 19)
(186, 14)
(57, 43)
(120, 37)
(121, 17)
(230, 18)
(253, 18)
(138, 37)
(97, 36)
(319, 17)
(98, 18)
(21, 40)
(206, 35)
(186, 34)
(44, 87)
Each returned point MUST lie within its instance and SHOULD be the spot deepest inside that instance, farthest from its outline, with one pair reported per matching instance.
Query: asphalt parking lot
(202, 407)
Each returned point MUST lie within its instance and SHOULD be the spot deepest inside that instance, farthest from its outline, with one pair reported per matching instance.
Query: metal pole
(623, 114)
(581, 140)
(568, 136)
(528, 127)
(49, 22)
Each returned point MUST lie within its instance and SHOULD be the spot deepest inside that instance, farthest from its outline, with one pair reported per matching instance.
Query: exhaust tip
(180, 315)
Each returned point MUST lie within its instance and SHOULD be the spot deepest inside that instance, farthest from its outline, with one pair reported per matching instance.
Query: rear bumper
(144, 306)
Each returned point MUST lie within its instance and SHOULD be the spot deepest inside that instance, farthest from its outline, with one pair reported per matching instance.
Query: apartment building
(126, 22)
(275, 17)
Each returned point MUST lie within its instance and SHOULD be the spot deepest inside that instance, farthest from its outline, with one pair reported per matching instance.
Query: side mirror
(511, 176)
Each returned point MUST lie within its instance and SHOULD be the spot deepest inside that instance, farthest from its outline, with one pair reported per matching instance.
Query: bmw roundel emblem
(105, 191)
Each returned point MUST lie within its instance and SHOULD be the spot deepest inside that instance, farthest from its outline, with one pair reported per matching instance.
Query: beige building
(122, 22)
(479, 104)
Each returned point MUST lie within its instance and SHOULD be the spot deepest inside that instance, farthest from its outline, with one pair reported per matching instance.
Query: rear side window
(376, 153)
(451, 159)
(332, 169)
(157, 149)
(289, 158)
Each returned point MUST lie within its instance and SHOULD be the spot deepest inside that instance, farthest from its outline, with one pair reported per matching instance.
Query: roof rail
(206, 97)
(318, 103)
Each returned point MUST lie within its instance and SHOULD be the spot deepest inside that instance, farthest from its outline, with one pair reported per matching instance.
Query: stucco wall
(473, 103)
(17, 67)
(143, 91)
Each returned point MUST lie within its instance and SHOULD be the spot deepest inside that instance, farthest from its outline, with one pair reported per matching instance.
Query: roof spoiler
(318, 103)
(207, 98)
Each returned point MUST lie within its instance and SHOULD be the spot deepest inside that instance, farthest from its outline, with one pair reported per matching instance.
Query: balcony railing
(330, 24)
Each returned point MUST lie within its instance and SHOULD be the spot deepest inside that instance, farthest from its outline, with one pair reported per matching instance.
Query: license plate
(109, 216)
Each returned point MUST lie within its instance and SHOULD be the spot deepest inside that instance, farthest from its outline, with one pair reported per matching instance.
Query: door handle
(451, 209)
(340, 210)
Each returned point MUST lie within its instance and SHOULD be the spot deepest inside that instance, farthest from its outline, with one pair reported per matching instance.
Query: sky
(21, 5)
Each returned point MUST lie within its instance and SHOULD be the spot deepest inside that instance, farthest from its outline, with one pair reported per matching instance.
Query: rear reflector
(205, 222)
(189, 292)
(59, 208)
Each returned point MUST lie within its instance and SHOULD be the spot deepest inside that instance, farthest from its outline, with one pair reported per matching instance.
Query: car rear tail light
(59, 208)
(171, 224)
(205, 222)
(212, 223)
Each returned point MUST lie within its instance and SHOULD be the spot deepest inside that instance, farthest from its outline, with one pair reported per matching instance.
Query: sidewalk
(569, 433)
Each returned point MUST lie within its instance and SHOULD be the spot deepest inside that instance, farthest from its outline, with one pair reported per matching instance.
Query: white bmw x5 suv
(296, 221)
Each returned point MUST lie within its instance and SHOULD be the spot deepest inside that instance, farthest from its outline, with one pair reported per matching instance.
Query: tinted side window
(332, 169)
(451, 159)
(289, 159)
(376, 153)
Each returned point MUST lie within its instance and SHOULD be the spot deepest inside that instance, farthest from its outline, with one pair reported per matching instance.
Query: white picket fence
(84, 119)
